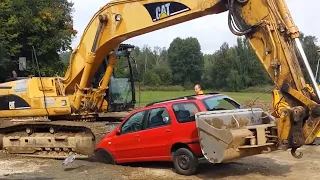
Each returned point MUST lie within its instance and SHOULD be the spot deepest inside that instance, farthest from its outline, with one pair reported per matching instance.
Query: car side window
(133, 124)
(220, 103)
(225, 104)
(185, 112)
(158, 117)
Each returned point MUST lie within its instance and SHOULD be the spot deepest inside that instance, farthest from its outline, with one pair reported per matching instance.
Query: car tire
(185, 162)
(103, 156)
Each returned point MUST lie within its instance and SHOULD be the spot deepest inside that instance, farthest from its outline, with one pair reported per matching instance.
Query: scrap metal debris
(69, 159)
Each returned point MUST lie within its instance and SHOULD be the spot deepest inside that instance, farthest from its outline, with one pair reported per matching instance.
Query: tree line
(230, 68)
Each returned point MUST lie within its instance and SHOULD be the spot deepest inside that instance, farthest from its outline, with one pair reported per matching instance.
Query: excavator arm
(267, 24)
(274, 37)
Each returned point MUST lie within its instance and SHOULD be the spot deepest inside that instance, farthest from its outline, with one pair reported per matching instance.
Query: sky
(211, 31)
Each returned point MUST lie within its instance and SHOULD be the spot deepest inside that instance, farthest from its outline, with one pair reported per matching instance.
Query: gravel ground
(276, 165)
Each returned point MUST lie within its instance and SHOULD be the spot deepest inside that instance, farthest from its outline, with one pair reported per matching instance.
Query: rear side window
(158, 117)
(185, 112)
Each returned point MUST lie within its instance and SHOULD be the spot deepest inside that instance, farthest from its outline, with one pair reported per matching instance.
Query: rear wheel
(103, 156)
(185, 162)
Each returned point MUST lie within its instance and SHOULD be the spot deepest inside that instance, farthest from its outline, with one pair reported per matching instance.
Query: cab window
(133, 124)
(158, 117)
(185, 112)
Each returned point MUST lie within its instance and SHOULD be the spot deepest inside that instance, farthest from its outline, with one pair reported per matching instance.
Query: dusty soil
(276, 165)
(265, 105)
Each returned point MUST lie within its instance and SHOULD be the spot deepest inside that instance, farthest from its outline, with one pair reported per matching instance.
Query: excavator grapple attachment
(230, 134)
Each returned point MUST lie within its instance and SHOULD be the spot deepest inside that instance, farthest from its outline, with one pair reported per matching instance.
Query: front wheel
(185, 162)
(103, 156)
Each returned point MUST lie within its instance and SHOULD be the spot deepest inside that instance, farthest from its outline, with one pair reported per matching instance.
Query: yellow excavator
(43, 116)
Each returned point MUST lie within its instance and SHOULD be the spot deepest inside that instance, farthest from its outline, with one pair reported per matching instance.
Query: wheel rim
(184, 162)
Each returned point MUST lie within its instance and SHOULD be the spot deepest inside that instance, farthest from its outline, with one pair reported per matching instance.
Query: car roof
(185, 98)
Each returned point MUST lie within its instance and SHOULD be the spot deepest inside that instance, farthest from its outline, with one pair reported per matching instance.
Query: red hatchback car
(162, 131)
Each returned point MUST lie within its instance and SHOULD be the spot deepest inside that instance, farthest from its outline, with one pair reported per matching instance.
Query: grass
(151, 96)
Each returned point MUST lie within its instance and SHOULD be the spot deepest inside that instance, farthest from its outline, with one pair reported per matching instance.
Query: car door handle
(167, 131)
(136, 136)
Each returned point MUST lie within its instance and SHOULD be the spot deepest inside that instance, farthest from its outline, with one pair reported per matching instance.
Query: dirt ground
(265, 105)
(276, 165)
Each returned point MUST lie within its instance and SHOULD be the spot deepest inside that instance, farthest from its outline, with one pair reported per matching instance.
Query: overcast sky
(211, 31)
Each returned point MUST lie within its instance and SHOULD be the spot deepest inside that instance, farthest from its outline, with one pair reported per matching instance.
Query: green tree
(4, 61)
(65, 57)
(151, 59)
(121, 69)
(251, 70)
(234, 68)
(159, 56)
(186, 60)
(207, 80)
(233, 81)
(311, 48)
(165, 74)
(45, 24)
(151, 79)
(221, 67)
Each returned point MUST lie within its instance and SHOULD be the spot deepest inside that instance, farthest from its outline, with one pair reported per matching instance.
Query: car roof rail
(189, 97)
(179, 98)
(212, 93)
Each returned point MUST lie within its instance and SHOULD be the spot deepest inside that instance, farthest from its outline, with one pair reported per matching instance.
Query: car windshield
(220, 103)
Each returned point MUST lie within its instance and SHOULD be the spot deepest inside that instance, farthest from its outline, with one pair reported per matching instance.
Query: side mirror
(118, 132)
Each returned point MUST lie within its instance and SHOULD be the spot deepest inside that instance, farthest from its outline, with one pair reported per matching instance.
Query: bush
(189, 85)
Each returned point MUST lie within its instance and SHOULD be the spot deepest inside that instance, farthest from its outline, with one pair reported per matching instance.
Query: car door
(185, 115)
(128, 144)
(157, 134)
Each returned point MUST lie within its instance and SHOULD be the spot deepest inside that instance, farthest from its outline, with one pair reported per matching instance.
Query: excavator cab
(120, 94)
